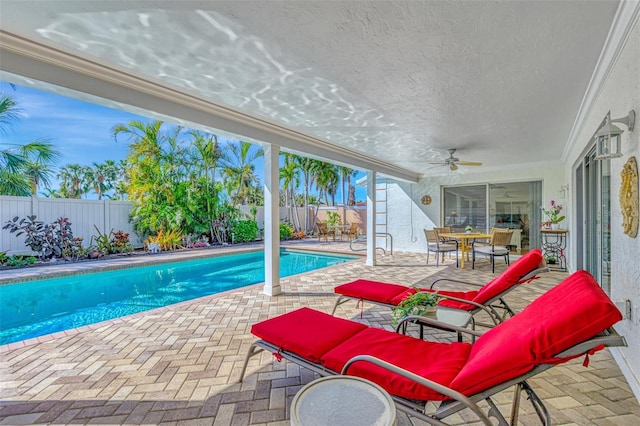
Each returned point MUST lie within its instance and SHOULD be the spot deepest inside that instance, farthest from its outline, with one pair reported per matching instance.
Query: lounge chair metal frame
(458, 401)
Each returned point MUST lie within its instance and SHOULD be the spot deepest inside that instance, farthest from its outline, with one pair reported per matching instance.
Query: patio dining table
(464, 238)
(338, 230)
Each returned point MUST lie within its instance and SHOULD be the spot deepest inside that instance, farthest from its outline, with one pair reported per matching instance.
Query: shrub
(333, 219)
(19, 260)
(120, 242)
(102, 241)
(53, 239)
(244, 231)
(113, 242)
(198, 244)
(168, 240)
(286, 231)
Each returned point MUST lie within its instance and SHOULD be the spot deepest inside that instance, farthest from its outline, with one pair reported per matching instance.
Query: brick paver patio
(180, 364)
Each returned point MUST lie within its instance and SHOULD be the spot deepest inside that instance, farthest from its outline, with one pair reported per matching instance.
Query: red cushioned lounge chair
(458, 307)
(570, 320)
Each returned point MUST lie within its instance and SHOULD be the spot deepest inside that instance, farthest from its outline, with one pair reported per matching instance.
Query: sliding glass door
(512, 205)
(593, 218)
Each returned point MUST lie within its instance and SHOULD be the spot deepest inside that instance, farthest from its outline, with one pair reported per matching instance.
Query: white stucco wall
(408, 216)
(620, 94)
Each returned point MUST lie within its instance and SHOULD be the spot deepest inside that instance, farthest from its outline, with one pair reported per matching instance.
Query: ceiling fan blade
(469, 163)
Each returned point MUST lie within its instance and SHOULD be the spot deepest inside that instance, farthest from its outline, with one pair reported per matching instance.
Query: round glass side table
(344, 401)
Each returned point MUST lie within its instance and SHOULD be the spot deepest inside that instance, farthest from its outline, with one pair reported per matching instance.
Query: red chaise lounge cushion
(439, 362)
(306, 332)
(375, 291)
(572, 312)
(392, 294)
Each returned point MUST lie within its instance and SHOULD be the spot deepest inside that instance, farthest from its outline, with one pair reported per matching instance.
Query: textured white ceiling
(401, 81)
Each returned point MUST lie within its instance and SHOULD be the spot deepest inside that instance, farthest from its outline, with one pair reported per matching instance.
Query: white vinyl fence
(83, 214)
(110, 215)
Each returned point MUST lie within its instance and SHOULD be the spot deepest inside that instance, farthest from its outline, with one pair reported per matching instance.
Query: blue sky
(81, 131)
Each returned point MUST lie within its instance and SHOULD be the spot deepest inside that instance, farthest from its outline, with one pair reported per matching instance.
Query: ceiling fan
(453, 162)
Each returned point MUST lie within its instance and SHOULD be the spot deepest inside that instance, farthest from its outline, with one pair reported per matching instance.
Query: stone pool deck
(180, 364)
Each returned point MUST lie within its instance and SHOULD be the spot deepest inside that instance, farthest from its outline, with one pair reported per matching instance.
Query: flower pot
(555, 226)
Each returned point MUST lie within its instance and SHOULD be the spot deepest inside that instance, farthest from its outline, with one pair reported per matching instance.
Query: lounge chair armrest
(430, 322)
(453, 281)
(422, 381)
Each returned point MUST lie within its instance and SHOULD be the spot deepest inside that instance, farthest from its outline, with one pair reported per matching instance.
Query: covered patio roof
(384, 86)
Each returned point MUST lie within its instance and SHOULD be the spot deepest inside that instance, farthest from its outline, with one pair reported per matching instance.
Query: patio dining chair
(351, 232)
(497, 246)
(435, 245)
(324, 231)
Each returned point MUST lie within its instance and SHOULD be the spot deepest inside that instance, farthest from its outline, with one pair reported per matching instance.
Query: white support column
(271, 221)
(371, 219)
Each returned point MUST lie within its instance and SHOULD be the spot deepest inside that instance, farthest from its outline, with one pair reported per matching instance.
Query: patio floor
(180, 364)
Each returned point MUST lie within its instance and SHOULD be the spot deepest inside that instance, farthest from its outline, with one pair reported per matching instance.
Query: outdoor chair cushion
(435, 361)
(496, 250)
(306, 332)
(374, 291)
(518, 269)
(573, 311)
(392, 294)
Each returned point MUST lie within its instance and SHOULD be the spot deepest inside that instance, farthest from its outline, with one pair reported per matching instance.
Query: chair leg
(493, 264)
(473, 260)
(437, 259)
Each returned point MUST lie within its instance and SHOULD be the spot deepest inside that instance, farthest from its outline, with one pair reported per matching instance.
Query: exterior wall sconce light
(608, 136)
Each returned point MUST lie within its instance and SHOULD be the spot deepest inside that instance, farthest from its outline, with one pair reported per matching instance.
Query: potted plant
(415, 304)
(551, 260)
(554, 215)
(468, 229)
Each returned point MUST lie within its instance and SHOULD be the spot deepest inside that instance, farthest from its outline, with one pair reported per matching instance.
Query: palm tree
(23, 168)
(38, 169)
(327, 179)
(71, 177)
(306, 167)
(345, 174)
(240, 170)
(122, 171)
(206, 154)
(9, 113)
(290, 175)
(155, 174)
(51, 193)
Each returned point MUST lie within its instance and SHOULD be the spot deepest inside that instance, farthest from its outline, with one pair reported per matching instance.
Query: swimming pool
(37, 308)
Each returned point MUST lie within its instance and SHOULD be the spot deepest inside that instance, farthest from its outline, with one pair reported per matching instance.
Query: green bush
(244, 231)
(286, 231)
(19, 260)
(48, 239)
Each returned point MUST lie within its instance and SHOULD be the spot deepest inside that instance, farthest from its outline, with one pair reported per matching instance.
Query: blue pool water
(37, 308)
